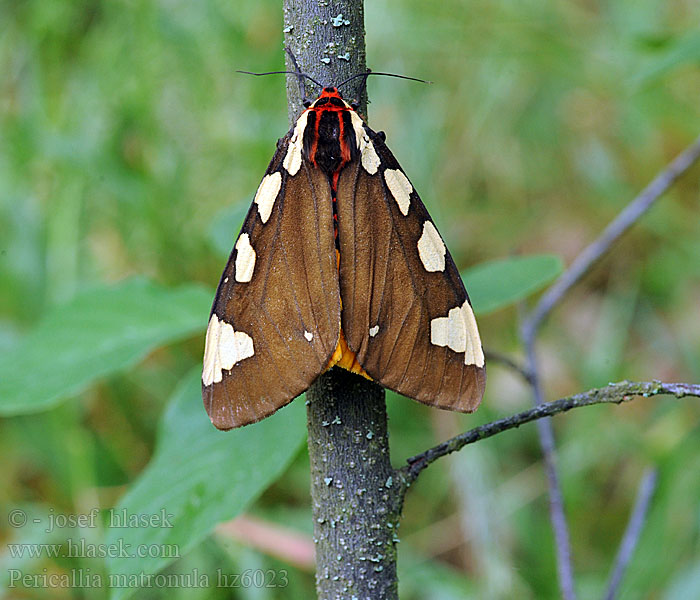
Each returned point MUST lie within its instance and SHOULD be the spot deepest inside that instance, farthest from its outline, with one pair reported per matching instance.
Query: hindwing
(275, 321)
(406, 313)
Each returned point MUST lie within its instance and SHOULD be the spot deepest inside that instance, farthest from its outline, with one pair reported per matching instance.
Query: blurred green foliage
(129, 146)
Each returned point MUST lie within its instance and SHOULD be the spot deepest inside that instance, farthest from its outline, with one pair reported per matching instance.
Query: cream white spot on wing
(267, 193)
(431, 248)
(373, 331)
(223, 348)
(292, 161)
(225, 279)
(458, 331)
(474, 354)
(400, 188)
(369, 158)
(358, 125)
(245, 259)
(308, 335)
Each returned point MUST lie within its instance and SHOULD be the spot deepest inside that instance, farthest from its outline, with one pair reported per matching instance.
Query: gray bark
(327, 38)
(354, 494)
(353, 489)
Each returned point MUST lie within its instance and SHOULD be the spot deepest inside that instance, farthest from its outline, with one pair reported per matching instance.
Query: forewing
(276, 317)
(405, 313)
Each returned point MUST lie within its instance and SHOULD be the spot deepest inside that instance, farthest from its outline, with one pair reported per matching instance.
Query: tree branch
(328, 40)
(352, 489)
(615, 393)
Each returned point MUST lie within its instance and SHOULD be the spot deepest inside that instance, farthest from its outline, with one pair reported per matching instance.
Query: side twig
(530, 326)
(615, 393)
(632, 533)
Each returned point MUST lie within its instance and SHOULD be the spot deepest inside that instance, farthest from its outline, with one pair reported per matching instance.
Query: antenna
(369, 72)
(277, 72)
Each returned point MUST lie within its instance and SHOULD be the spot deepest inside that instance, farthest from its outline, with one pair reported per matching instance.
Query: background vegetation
(130, 147)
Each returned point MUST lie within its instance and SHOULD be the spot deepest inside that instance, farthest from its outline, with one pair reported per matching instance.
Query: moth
(338, 264)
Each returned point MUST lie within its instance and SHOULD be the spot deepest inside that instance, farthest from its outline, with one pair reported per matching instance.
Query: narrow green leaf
(97, 333)
(199, 477)
(499, 283)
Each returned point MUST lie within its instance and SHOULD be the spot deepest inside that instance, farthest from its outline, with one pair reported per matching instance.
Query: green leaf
(200, 477)
(97, 333)
(500, 283)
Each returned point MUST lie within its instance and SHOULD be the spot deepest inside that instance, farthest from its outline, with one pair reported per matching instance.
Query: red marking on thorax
(338, 110)
(345, 154)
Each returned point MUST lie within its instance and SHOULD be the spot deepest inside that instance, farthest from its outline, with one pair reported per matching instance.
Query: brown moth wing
(390, 298)
(281, 323)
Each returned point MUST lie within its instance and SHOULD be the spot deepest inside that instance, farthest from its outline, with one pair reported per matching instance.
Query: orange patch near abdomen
(345, 358)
